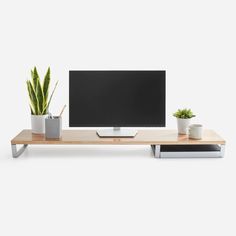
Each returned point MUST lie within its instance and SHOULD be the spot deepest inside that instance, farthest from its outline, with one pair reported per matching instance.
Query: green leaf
(30, 95)
(35, 78)
(32, 74)
(31, 109)
(40, 96)
(33, 98)
(46, 83)
(46, 108)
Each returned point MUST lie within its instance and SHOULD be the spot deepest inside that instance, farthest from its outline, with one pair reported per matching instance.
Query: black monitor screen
(117, 98)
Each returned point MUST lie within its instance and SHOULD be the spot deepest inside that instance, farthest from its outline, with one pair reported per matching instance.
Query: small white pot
(38, 124)
(183, 125)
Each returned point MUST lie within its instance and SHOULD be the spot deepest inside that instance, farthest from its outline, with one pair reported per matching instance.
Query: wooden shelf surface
(143, 137)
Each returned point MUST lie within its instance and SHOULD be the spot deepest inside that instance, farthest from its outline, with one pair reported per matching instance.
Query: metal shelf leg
(156, 150)
(16, 153)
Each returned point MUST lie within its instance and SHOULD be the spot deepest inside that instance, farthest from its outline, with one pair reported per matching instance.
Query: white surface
(105, 191)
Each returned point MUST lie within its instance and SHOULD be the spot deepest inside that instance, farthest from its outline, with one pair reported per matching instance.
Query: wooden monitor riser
(155, 138)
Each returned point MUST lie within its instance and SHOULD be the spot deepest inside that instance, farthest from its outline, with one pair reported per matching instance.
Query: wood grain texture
(144, 137)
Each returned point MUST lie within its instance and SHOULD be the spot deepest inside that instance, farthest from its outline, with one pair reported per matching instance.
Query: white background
(118, 190)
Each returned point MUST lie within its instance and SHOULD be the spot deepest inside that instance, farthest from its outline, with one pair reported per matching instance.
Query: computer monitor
(117, 99)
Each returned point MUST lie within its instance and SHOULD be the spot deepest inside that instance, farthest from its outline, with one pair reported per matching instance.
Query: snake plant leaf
(35, 78)
(33, 98)
(40, 96)
(30, 95)
(31, 109)
(46, 108)
(46, 83)
(32, 74)
(29, 91)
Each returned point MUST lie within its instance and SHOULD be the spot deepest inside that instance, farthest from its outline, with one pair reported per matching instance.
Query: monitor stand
(117, 132)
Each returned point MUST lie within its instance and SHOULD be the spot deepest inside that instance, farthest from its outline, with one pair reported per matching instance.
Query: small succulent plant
(184, 114)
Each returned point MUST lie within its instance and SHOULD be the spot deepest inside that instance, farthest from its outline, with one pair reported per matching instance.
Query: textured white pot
(38, 124)
(183, 125)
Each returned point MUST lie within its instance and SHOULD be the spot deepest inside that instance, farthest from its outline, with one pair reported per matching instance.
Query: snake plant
(38, 92)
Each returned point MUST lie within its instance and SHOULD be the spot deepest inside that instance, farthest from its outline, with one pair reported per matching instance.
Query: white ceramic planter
(183, 125)
(38, 124)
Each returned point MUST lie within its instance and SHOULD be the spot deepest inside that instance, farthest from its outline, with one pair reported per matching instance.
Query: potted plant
(183, 119)
(39, 102)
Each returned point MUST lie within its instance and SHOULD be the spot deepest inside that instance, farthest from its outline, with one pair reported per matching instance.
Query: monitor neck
(116, 128)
